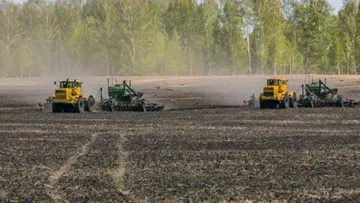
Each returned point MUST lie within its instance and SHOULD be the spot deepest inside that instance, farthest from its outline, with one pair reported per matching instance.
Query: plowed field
(203, 154)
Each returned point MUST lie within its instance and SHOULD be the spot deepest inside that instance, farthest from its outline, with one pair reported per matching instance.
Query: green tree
(181, 16)
(230, 36)
(348, 25)
(30, 20)
(10, 36)
(208, 14)
(312, 18)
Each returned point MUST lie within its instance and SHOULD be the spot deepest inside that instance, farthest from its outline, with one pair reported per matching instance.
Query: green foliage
(348, 30)
(178, 37)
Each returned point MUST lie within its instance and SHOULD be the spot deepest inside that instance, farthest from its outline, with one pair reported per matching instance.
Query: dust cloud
(231, 90)
(202, 92)
(173, 92)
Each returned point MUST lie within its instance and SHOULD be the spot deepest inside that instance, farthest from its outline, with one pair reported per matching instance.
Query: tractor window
(277, 82)
(270, 82)
(62, 84)
(65, 84)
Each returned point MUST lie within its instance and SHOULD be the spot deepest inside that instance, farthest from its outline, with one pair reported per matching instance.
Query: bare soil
(203, 154)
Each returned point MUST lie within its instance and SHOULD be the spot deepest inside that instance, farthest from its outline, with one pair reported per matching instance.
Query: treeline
(178, 37)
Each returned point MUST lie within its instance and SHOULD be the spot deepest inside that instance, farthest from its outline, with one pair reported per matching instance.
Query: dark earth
(195, 150)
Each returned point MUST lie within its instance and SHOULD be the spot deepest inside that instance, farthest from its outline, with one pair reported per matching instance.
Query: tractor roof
(277, 79)
(71, 80)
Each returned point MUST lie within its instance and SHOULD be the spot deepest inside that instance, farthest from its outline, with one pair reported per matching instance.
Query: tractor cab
(70, 86)
(275, 86)
(272, 82)
(277, 82)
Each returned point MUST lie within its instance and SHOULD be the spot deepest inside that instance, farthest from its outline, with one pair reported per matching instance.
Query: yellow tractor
(276, 95)
(70, 98)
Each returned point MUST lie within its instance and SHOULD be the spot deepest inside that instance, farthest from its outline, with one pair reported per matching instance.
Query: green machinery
(122, 97)
(317, 94)
(252, 102)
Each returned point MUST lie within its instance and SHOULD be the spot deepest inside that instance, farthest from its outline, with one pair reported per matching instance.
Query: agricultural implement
(122, 97)
(317, 94)
(69, 97)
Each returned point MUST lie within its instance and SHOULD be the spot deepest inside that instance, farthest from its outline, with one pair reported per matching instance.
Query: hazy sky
(335, 3)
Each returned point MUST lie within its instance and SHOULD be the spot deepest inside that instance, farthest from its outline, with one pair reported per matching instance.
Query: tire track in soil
(98, 174)
(51, 188)
(119, 173)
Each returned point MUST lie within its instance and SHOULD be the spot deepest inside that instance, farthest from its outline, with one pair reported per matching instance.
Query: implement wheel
(341, 103)
(311, 104)
(80, 105)
(111, 107)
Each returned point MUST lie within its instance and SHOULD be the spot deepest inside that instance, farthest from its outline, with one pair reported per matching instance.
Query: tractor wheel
(90, 104)
(80, 105)
(56, 108)
(265, 104)
(272, 104)
(262, 105)
(285, 102)
(67, 109)
(292, 102)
